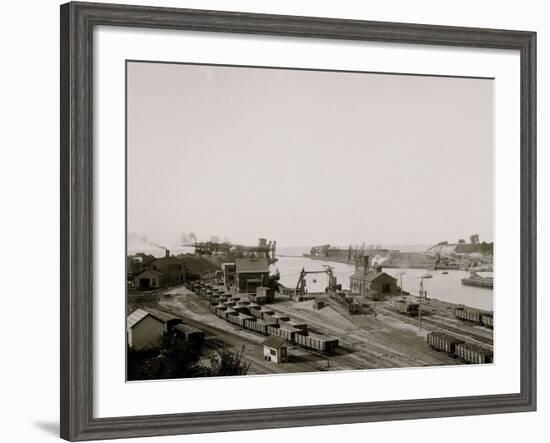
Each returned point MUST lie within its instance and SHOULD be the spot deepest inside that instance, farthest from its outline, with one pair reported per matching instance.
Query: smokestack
(365, 264)
(167, 253)
(379, 269)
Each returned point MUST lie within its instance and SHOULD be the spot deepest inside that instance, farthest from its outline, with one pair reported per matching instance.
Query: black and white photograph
(233, 221)
(284, 220)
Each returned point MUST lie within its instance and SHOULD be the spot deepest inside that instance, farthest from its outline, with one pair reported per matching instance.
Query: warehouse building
(160, 272)
(144, 330)
(250, 273)
(146, 326)
(367, 281)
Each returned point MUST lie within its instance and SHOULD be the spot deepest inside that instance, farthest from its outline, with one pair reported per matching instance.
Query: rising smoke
(145, 240)
(188, 238)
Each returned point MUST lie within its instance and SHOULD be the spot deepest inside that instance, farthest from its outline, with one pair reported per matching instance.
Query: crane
(301, 284)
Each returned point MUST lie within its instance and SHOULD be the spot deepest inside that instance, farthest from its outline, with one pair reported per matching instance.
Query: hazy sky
(307, 157)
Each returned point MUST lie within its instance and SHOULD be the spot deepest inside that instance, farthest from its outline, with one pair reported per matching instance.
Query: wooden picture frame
(77, 23)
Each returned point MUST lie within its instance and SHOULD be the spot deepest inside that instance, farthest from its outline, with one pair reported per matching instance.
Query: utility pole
(401, 282)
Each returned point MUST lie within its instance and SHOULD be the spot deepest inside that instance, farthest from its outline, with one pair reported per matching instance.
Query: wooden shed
(143, 330)
(275, 349)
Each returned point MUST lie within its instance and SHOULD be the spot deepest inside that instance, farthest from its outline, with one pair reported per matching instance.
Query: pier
(478, 281)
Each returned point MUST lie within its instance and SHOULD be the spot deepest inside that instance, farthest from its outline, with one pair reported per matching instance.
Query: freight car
(256, 312)
(484, 318)
(316, 343)
(280, 318)
(188, 333)
(487, 320)
(443, 342)
(469, 314)
(269, 316)
(289, 334)
(269, 326)
(267, 312)
(472, 353)
(407, 307)
(257, 326)
(294, 325)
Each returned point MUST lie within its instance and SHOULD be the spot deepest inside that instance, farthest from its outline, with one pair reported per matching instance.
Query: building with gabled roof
(251, 273)
(145, 326)
(275, 349)
(367, 281)
(143, 330)
(160, 272)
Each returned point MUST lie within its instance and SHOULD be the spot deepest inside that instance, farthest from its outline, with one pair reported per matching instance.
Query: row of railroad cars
(477, 316)
(469, 352)
(268, 322)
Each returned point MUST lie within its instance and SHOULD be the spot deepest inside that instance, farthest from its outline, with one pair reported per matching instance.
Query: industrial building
(251, 273)
(367, 281)
(160, 272)
(228, 270)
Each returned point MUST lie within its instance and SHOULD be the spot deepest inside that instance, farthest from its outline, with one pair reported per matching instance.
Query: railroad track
(439, 325)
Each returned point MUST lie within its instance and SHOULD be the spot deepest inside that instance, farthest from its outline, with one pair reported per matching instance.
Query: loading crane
(301, 284)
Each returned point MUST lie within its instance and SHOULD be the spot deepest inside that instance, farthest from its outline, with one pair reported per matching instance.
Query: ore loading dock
(372, 325)
(380, 336)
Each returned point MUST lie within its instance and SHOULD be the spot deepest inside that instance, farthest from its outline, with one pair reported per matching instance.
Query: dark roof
(251, 265)
(161, 315)
(274, 341)
(370, 276)
(188, 329)
(165, 261)
(150, 270)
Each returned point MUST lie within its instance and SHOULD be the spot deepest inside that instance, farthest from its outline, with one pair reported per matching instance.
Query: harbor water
(445, 287)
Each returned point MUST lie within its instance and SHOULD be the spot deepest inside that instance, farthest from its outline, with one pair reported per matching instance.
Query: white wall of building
(145, 333)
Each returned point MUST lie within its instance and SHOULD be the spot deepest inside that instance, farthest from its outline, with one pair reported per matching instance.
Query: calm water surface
(445, 287)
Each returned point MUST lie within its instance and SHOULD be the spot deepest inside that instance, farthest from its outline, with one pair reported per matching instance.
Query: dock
(478, 281)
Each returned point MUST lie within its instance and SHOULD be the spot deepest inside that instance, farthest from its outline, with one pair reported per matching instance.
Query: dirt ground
(381, 339)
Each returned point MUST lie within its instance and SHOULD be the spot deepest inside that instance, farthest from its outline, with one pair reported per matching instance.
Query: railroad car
(443, 342)
(269, 317)
(256, 312)
(472, 353)
(257, 326)
(407, 308)
(469, 314)
(267, 312)
(190, 334)
(316, 343)
(295, 325)
(484, 318)
(280, 318)
(281, 332)
(487, 320)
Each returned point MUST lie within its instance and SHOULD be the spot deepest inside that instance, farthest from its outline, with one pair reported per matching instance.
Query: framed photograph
(272, 221)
